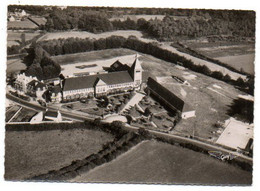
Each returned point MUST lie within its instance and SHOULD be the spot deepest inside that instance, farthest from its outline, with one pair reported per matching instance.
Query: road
(40, 108)
(209, 146)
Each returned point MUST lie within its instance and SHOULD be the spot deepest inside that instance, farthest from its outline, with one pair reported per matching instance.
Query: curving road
(79, 117)
(40, 108)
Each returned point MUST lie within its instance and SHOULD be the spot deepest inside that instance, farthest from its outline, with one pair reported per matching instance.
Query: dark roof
(55, 89)
(165, 94)
(90, 81)
(51, 113)
(36, 84)
(118, 66)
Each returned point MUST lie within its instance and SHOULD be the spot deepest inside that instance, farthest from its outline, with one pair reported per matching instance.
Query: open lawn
(91, 56)
(245, 62)
(156, 162)
(72, 64)
(26, 24)
(15, 65)
(30, 153)
(236, 54)
(14, 37)
(84, 34)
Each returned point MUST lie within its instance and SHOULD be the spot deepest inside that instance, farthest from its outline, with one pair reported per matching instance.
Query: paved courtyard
(236, 134)
(133, 101)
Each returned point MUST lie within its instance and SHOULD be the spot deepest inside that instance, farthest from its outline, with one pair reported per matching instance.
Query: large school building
(120, 78)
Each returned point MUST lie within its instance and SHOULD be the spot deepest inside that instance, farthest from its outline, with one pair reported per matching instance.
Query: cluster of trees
(42, 66)
(242, 109)
(176, 23)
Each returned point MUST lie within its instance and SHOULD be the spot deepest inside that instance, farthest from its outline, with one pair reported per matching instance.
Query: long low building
(169, 99)
(102, 84)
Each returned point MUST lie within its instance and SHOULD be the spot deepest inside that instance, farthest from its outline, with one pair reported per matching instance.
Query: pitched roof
(136, 64)
(90, 81)
(165, 94)
(118, 66)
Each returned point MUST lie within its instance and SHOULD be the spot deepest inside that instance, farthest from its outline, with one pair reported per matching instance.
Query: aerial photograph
(129, 95)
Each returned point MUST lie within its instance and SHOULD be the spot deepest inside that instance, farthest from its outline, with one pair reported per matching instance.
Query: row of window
(80, 90)
(120, 85)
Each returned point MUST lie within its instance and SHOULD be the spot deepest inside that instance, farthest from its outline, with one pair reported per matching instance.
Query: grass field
(155, 162)
(71, 64)
(91, 56)
(30, 153)
(15, 65)
(245, 62)
(26, 24)
(14, 37)
(84, 34)
(236, 54)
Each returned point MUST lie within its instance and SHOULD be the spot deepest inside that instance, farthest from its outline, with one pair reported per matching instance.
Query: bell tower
(136, 72)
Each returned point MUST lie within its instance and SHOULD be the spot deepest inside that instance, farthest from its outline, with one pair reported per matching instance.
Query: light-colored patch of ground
(180, 67)
(236, 134)
(133, 101)
(112, 118)
(189, 76)
(223, 47)
(157, 162)
(164, 79)
(216, 91)
(217, 86)
(247, 97)
(84, 34)
(246, 62)
(30, 153)
(212, 109)
(136, 17)
(183, 93)
(72, 69)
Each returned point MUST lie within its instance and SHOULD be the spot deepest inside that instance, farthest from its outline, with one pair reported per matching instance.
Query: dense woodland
(176, 23)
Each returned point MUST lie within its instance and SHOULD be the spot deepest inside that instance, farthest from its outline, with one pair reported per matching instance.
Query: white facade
(37, 118)
(22, 80)
(188, 114)
(82, 92)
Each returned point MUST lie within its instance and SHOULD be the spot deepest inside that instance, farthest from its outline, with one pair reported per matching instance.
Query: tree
(227, 78)
(147, 111)
(217, 75)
